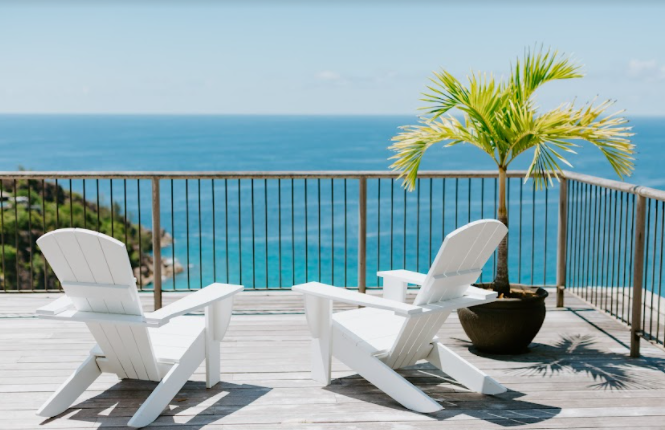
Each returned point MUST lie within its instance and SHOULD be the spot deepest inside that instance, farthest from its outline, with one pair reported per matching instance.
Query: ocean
(316, 248)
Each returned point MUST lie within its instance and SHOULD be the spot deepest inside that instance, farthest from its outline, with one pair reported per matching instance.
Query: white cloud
(648, 70)
(329, 76)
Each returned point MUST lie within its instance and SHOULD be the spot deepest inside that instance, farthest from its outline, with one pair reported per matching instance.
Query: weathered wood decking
(578, 375)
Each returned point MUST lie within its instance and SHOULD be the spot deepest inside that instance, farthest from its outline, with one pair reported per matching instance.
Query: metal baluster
(519, 254)
(71, 204)
(345, 235)
(653, 271)
(279, 227)
(226, 227)
(57, 206)
(172, 233)
(456, 200)
(32, 268)
(429, 247)
(306, 238)
(443, 209)
(293, 234)
(621, 233)
(253, 237)
(112, 209)
(404, 230)
(85, 210)
(533, 227)
(265, 219)
(138, 194)
(239, 234)
(545, 239)
(392, 213)
(189, 285)
(614, 256)
(214, 233)
(44, 265)
(378, 231)
(125, 213)
(332, 231)
(660, 270)
(318, 214)
(644, 269)
(468, 208)
(362, 233)
(630, 241)
(18, 253)
(2, 233)
(603, 261)
(418, 225)
(99, 208)
(495, 214)
(198, 189)
(156, 244)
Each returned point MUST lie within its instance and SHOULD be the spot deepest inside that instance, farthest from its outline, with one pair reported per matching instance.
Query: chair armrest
(55, 307)
(198, 300)
(355, 298)
(404, 276)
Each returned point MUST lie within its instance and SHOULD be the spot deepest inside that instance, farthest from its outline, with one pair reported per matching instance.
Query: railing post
(561, 244)
(156, 245)
(638, 274)
(362, 233)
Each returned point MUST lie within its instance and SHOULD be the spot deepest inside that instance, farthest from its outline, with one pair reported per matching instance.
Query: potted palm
(502, 119)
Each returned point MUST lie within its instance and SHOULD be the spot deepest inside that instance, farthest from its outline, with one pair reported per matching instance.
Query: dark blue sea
(322, 241)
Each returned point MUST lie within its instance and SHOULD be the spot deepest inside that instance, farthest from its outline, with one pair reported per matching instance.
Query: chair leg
(170, 385)
(72, 388)
(462, 371)
(382, 376)
(319, 320)
(212, 363)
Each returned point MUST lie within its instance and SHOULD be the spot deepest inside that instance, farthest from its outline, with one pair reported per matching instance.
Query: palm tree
(501, 119)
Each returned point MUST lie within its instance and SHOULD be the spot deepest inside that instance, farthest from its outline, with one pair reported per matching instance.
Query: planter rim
(541, 295)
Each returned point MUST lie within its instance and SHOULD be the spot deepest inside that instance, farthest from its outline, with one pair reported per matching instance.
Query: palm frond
(502, 120)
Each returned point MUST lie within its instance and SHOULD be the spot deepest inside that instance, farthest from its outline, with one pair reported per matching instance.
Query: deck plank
(577, 376)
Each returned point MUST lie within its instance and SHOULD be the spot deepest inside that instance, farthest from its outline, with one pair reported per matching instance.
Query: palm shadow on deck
(116, 405)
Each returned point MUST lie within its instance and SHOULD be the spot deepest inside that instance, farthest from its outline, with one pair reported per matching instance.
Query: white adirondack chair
(100, 289)
(389, 334)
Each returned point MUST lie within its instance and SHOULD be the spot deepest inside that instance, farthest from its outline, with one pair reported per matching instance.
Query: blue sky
(310, 58)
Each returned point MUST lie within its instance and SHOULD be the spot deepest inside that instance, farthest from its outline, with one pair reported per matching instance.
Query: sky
(314, 58)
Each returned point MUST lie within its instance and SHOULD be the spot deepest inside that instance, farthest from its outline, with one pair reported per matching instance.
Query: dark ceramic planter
(505, 326)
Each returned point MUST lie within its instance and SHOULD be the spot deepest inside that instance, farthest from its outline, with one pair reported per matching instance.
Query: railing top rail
(331, 174)
(341, 174)
(617, 185)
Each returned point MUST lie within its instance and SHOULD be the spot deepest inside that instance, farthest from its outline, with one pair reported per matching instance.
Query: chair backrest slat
(460, 260)
(95, 272)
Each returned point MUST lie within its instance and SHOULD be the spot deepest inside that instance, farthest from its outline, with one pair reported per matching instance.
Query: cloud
(647, 70)
(330, 76)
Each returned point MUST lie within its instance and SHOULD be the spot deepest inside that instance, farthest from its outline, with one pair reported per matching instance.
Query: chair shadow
(111, 409)
(505, 410)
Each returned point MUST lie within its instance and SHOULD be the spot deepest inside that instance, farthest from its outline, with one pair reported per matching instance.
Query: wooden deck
(578, 375)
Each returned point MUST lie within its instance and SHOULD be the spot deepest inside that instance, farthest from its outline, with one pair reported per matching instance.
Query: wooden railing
(365, 214)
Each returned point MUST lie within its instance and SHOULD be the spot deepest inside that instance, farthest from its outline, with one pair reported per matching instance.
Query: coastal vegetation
(32, 207)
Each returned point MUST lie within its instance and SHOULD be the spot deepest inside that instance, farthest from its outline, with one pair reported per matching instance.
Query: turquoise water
(294, 143)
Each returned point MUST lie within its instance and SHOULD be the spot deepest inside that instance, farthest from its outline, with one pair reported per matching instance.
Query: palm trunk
(501, 283)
